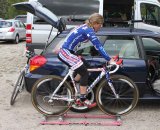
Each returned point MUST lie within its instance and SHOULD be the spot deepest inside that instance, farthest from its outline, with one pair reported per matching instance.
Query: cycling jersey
(81, 34)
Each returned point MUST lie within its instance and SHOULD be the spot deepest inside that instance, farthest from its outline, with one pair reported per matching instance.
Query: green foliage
(7, 11)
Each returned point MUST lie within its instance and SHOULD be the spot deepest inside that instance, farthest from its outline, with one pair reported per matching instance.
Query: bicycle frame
(104, 71)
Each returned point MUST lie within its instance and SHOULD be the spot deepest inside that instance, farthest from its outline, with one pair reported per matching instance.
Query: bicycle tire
(19, 85)
(128, 96)
(41, 92)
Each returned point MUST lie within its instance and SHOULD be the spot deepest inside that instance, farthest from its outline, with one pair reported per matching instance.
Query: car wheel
(16, 40)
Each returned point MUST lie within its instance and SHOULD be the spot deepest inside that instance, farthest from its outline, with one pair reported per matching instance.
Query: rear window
(21, 18)
(124, 46)
(55, 46)
(4, 24)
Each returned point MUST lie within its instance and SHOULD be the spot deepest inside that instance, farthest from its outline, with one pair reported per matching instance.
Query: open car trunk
(117, 13)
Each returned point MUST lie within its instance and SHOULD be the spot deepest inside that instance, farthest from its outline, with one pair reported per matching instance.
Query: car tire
(16, 40)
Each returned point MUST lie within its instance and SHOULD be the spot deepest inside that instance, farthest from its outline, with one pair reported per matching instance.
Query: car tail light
(28, 33)
(37, 62)
(11, 29)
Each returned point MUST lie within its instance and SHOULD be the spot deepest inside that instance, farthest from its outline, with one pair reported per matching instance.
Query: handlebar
(111, 65)
(117, 63)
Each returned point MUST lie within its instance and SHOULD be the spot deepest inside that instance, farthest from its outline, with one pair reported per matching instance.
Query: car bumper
(30, 79)
(7, 36)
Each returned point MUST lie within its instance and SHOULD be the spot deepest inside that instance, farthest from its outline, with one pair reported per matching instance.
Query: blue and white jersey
(81, 34)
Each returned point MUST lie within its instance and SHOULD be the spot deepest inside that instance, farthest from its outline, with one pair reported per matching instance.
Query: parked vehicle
(116, 13)
(22, 18)
(12, 30)
(140, 50)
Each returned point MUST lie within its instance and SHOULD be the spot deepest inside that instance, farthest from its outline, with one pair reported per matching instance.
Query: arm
(93, 38)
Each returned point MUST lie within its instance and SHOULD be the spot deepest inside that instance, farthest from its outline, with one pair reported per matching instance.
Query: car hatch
(38, 10)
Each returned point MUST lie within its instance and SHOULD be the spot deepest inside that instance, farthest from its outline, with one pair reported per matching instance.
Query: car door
(22, 30)
(152, 51)
(126, 47)
(17, 29)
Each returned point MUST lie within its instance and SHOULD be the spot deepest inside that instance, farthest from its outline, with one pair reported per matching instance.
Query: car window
(86, 48)
(21, 18)
(55, 46)
(150, 14)
(37, 20)
(125, 47)
(151, 43)
(17, 24)
(21, 25)
(5, 24)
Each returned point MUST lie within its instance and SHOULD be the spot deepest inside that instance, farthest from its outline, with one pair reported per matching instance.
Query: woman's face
(97, 26)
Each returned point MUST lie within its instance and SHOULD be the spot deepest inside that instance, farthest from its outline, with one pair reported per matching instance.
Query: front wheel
(42, 93)
(125, 100)
(18, 87)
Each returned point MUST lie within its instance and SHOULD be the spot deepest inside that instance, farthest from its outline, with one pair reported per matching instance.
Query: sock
(83, 97)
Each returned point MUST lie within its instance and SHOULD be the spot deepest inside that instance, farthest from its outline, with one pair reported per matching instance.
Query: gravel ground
(22, 116)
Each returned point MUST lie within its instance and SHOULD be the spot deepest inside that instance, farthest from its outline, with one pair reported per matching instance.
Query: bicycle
(20, 83)
(116, 94)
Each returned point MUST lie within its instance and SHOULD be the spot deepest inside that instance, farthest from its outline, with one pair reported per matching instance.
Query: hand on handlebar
(116, 60)
(112, 61)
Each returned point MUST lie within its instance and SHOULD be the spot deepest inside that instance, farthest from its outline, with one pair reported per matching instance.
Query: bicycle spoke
(125, 99)
(42, 92)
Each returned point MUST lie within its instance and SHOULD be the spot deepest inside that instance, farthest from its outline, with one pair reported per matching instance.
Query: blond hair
(94, 19)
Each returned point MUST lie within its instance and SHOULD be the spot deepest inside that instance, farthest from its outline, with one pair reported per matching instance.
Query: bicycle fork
(111, 85)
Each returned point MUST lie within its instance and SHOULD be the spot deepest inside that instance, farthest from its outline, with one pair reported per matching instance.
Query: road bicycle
(20, 83)
(116, 94)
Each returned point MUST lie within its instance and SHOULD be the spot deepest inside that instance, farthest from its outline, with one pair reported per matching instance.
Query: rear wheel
(41, 95)
(127, 96)
(18, 87)
(16, 40)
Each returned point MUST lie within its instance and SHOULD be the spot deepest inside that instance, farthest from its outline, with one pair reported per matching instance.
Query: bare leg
(83, 89)
(77, 78)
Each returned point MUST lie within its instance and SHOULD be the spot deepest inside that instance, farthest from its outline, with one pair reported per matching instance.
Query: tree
(3, 8)
(7, 11)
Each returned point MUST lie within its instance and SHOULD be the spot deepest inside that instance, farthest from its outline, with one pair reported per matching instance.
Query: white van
(116, 13)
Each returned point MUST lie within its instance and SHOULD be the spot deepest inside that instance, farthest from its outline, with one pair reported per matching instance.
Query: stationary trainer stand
(114, 120)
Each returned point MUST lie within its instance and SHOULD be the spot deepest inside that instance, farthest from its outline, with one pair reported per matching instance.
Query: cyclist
(67, 53)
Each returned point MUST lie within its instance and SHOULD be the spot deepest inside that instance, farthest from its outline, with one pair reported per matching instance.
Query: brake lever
(120, 62)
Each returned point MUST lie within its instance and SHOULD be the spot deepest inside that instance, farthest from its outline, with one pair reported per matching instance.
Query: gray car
(12, 30)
